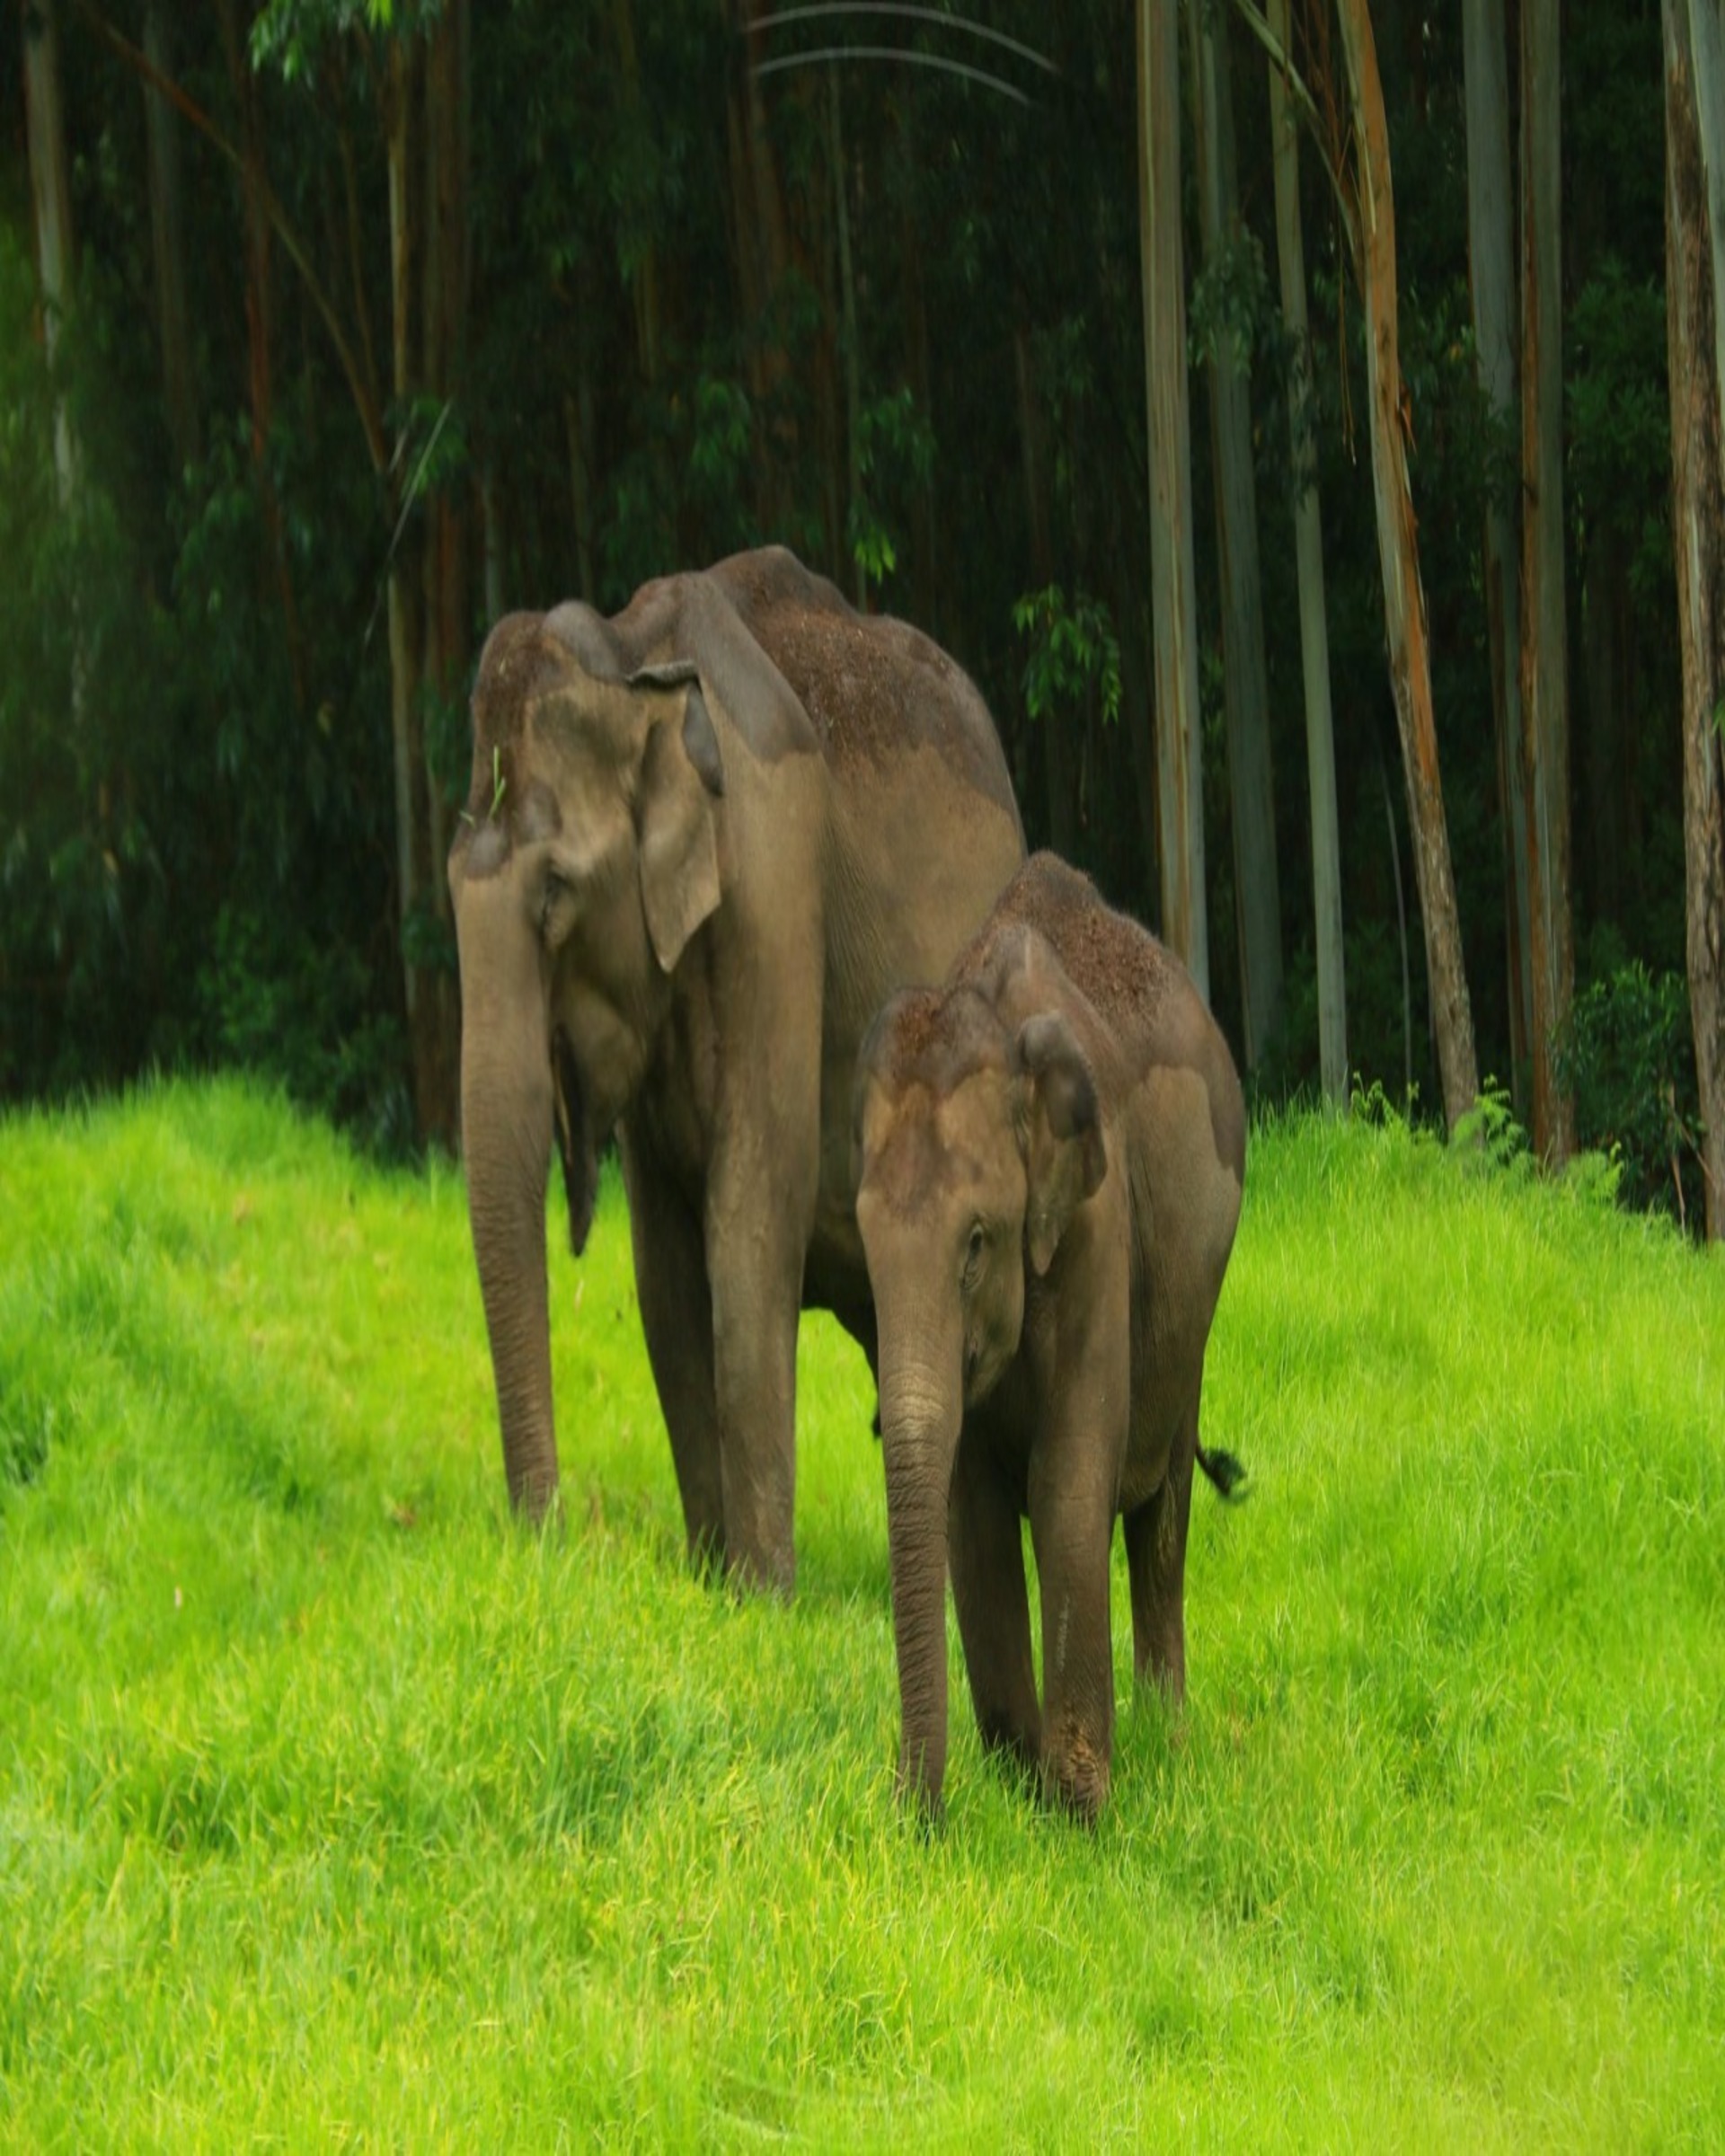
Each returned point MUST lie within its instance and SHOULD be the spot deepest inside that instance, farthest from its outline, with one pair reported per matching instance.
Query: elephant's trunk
(921, 1415)
(507, 1114)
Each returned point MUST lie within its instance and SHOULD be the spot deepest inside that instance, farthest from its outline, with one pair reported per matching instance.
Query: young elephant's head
(977, 1135)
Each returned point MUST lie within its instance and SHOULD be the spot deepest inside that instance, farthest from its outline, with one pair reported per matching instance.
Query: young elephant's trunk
(921, 1415)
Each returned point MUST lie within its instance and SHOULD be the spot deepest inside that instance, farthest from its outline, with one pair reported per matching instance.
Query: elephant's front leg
(677, 1318)
(988, 1564)
(759, 1208)
(1074, 1480)
(1071, 1529)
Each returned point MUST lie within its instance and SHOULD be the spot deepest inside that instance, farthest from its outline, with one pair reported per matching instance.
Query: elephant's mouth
(575, 1141)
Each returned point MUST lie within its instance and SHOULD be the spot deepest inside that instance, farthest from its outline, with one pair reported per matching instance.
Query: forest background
(332, 330)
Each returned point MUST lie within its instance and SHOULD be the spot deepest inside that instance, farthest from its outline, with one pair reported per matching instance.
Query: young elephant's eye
(973, 1250)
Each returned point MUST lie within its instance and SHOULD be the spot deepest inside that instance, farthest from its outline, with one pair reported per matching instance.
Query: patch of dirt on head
(520, 658)
(937, 1037)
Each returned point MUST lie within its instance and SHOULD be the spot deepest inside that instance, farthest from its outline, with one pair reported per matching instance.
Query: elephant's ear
(1060, 1131)
(682, 775)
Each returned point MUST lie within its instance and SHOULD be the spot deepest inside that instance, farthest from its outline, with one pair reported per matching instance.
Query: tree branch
(365, 403)
(1306, 106)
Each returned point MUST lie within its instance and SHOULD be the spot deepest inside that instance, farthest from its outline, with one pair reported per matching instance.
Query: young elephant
(1051, 1149)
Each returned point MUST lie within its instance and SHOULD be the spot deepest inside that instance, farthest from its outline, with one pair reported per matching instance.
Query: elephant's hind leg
(677, 1318)
(1156, 1561)
(986, 1555)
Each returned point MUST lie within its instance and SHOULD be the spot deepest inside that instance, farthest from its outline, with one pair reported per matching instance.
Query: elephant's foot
(1076, 1774)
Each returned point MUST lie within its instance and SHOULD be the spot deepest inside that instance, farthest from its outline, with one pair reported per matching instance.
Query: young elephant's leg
(1072, 1528)
(677, 1318)
(988, 1562)
(1155, 1558)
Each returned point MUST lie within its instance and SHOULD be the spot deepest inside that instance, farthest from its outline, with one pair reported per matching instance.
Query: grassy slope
(330, 1806)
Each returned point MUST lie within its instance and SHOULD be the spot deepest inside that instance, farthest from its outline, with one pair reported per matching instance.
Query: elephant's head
(587, 856)
(978, 1136)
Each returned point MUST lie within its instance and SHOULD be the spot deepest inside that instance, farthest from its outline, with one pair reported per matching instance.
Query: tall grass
(334, 1807)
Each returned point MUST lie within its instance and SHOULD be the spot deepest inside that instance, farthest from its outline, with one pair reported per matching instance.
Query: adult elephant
(706, 838)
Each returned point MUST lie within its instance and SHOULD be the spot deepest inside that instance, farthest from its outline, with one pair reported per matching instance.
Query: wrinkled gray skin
(706, 839)
(1051, 1151)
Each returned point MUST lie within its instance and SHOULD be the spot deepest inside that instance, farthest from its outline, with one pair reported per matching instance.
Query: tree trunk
(1606, 629)
(168, 246)
(425, 131)
(849, 357)
(1545, 671)
(1057, 744)
(1251, 780)
(1694, 109)
(1185, 926)
(50, 187)
(260, 324)
(578, 426)
(1492, 266)
(761, 244)
(1314, 629)
(1404, 601)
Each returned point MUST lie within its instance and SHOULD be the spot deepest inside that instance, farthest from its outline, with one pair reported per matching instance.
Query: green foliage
(273, 1002)
(1629, 1060)
(337, 1806)
(1233, 309)
(895, 462)
(290, 35)
(1074, 655)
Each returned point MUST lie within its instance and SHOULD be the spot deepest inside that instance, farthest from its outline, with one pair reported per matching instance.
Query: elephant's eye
(554, 902)
(973, 1250)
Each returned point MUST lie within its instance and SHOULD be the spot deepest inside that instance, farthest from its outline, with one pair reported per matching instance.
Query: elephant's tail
(1226, 1470)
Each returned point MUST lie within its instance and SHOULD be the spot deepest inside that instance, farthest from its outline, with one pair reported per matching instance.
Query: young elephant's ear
(1060, 1132)
(682, 774)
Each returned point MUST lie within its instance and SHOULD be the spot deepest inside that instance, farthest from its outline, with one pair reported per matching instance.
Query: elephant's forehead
(929, 1145)
(529, 817)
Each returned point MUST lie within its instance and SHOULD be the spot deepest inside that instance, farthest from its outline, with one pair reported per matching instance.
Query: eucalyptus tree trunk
(168, 247)
(50, 190)
(426, 141)
(1185, 926)
(762, 249)
(1694, 167)
(1544, 670)
(1258, 908)
(1398, 548)
(1057, 760)
(1491, 268)
(1314, 628)
(847, 333)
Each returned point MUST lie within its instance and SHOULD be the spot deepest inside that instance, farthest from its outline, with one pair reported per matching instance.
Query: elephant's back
(1149, 1006)
(874, 688)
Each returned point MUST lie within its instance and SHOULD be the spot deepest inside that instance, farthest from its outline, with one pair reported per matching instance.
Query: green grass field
(334, 1809)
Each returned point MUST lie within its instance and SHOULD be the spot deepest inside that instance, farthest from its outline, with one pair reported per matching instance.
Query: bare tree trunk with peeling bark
(1251, 784)
(1544, 670)
(1404, 602)
(1315, 629)
(1695, 165)
(1185, 926)
(1491, 278)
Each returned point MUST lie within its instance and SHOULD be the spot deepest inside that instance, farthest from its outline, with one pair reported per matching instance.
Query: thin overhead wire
(898, 7)
(831, 53)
